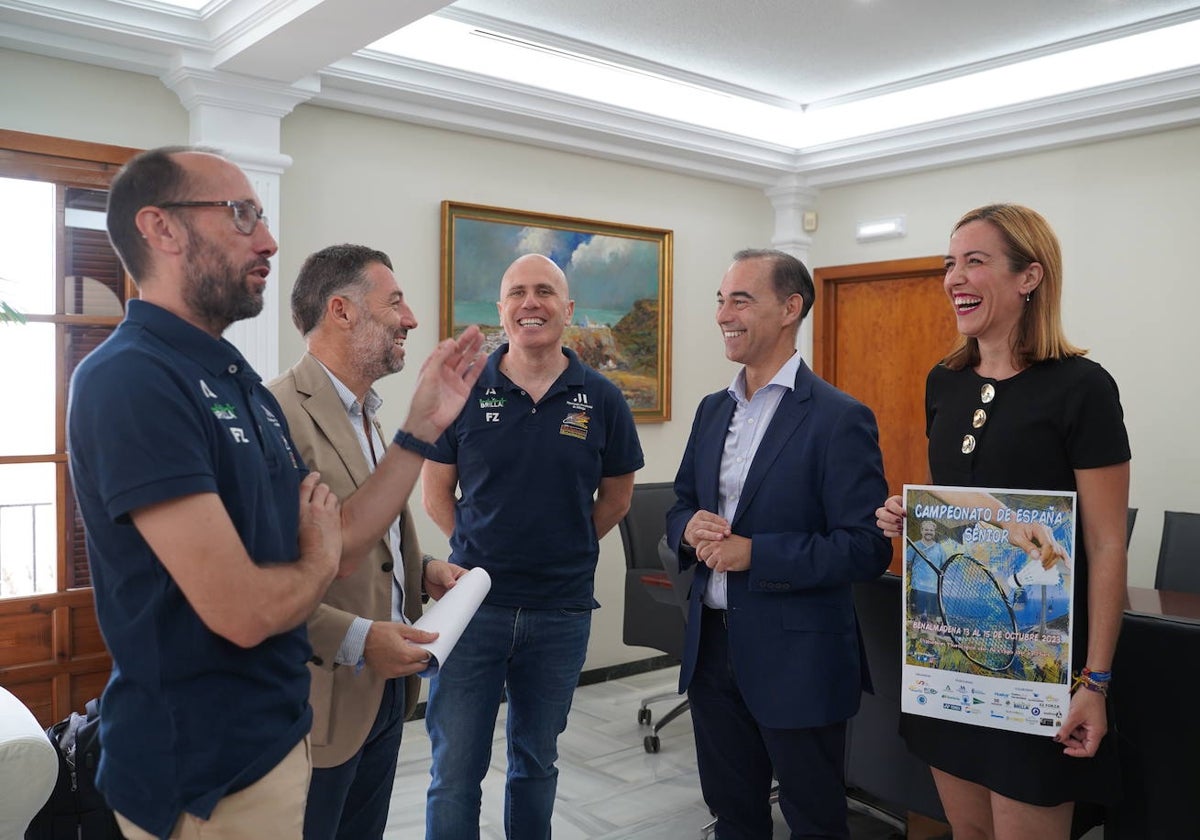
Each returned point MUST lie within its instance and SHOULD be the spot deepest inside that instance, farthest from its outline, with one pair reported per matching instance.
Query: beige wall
(82, 102)
(1126, 211)
(1129, 219)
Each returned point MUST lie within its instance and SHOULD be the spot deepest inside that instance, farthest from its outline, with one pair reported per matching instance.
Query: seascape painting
(619, 278)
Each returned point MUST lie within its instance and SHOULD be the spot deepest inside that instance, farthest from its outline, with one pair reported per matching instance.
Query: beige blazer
(344, 703)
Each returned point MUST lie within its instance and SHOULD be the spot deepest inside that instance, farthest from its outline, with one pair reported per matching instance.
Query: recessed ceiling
(537, 59)
(810, 51)
(757, 91)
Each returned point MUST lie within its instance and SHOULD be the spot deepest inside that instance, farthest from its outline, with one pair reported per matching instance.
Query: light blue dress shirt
(751, 417)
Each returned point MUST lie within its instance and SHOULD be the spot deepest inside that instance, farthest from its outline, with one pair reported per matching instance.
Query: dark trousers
(738, 758)
(350, 801)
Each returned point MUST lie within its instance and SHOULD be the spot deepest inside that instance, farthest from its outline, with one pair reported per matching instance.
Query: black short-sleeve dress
(1041, 425)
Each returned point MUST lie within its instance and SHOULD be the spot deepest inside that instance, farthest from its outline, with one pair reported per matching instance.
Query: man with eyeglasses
(209, 541)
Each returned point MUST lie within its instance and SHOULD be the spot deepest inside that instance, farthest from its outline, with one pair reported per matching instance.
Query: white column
(792, 198)
(240, 117)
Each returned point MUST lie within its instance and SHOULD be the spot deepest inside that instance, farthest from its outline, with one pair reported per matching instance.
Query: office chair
(1156, 688)
(680, 587)
(1179, 553)
(653, 617)
(1130, 519)
(878, 762)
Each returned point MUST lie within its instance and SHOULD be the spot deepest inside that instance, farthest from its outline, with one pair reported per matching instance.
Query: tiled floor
(608, 787)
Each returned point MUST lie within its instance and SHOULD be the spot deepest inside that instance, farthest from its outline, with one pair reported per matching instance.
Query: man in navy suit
(776, 499)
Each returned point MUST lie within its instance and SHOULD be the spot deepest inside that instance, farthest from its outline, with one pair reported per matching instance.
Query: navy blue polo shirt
(528, 474)
(162, 410)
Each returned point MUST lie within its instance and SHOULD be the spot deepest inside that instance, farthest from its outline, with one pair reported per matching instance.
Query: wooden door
(877, 330)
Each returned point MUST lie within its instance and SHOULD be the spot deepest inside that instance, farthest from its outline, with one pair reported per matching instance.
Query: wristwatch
(426, 559)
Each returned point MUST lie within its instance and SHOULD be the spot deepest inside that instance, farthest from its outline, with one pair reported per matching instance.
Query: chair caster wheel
(644, 716)
(651, 743)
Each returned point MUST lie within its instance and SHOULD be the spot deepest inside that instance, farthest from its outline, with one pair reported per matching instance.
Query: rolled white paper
(451, 615)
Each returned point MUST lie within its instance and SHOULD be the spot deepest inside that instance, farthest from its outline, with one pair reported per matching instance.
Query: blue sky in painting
(605, 272)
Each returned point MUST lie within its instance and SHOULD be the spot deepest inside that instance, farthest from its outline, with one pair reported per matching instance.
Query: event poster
(988, 606)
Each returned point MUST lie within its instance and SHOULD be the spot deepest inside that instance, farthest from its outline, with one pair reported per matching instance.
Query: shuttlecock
(1034, 574)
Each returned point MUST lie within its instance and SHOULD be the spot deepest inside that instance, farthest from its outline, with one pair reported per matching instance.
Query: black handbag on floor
(75, 809)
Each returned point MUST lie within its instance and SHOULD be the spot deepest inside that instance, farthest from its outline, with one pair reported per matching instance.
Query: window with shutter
(58, 271)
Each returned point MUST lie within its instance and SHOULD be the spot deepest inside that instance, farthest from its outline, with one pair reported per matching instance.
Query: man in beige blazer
(350, 309)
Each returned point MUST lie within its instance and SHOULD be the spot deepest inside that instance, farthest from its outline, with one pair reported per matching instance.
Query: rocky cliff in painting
(626, 353)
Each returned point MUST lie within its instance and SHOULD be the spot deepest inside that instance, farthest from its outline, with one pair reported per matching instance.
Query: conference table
(1155, 700)
(1157, 603)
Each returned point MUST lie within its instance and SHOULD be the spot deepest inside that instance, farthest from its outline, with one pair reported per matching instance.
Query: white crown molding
(289, 39)
(83, 50)
(178, 49)
(1158, 103)
(196, 86)
(1012, 58)
(479, 105)
(541, 37)
(529, 130)
(235, 19)
(136, 39)
(415, 92)
(153, 29)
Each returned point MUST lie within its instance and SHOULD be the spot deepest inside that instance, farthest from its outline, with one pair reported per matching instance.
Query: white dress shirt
(362, 420)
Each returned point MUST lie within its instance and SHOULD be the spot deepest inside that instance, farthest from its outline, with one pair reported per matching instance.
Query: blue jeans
(534, 656)
(350, 801)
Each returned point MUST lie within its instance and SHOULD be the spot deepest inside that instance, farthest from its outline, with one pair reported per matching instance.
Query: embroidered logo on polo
(224, 411)
(575, 425)
(490, 400)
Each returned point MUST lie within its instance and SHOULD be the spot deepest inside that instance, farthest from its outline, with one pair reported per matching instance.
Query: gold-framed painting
(619, 277)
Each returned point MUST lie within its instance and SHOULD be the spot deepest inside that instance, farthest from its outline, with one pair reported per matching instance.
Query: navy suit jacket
(808, 504)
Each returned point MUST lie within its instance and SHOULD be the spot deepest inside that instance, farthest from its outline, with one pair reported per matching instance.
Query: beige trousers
(271, 807)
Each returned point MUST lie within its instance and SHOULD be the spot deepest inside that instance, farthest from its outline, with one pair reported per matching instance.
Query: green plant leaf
(10, 315)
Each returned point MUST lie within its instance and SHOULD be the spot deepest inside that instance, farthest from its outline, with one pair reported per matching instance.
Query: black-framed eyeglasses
(246, 215)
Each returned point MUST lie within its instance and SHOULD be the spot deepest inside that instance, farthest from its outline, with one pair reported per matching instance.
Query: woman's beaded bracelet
(1096, 681)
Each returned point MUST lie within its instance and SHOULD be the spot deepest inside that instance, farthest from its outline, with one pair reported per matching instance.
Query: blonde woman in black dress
(1053, 421)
